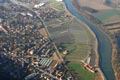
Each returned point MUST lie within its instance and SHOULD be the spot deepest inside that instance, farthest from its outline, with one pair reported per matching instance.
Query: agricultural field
(104, 12)
(57, 5)
(94, 4)
(114, 18)
(108, 15)
(74, 37)
(81, 72)
(70, 32)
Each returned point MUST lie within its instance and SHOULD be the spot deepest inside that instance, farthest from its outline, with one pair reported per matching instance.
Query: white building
(59, 0)
(39, 5)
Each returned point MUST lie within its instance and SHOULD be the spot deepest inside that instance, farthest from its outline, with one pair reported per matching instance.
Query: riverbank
(114, 52)
(100, 75)
(95, 47)
(114, 55)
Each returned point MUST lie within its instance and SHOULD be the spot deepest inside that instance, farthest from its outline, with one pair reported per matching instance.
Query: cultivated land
(104, 12)
(71, 33)
(74, 36)
(80, 71)
(94, 4)
(107, 16)
(114, 17)
(57, 5)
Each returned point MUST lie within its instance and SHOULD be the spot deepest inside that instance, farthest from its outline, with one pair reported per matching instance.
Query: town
(26, 47)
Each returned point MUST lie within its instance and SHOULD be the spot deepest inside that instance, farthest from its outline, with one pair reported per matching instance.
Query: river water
(1, 0)
(104, 45)
(118, 41)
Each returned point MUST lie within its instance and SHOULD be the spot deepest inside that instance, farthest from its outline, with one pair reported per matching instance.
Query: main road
(104, 44)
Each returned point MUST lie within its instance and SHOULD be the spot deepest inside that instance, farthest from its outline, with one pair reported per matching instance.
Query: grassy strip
(77, 51)
(81, 72)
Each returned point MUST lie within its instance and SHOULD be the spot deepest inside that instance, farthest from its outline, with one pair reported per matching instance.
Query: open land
(80, 71)
(77, 41)
(72, 34)
(94, 4)
(104, 12)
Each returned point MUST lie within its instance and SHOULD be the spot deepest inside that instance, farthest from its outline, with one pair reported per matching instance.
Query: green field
(81, 72)
(74, 37)
(77, 51)
(57, 5)
(105, 15)
(80, 48)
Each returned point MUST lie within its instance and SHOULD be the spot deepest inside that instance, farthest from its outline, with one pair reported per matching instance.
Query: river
(118, 41)
(104, 45)
(1, 0)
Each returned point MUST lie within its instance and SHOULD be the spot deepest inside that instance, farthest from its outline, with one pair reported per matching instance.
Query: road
(58, 53)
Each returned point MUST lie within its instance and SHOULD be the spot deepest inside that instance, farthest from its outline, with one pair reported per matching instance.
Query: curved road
(104, 45)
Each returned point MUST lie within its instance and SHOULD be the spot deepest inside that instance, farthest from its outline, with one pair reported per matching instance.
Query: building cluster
(28, 1)
(24, 52)
(48, 13)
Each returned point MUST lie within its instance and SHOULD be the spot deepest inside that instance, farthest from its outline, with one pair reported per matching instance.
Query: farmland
(81, 72)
